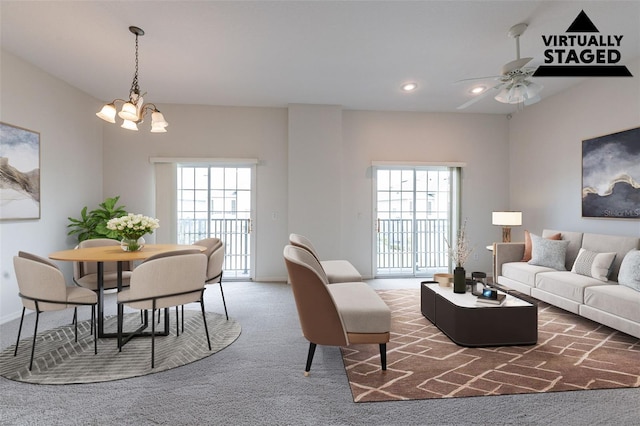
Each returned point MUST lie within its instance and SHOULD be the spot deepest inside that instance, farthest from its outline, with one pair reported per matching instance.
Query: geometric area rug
(572, 353)
(58, 359)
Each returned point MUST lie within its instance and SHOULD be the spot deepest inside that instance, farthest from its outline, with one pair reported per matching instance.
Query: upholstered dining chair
(167, 254)
(163, 282)
(215, 259)
(85, 274)
(43, 288)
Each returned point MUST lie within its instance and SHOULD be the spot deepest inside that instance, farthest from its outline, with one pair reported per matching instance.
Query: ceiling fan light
(129, 125)
(533, 89)
(129, 112)
(503, 96)
(108, 113)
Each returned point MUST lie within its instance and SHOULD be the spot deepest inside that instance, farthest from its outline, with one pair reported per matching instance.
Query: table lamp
(506, 220)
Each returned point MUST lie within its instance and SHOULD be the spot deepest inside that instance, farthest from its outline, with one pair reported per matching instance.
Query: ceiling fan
(515, 86)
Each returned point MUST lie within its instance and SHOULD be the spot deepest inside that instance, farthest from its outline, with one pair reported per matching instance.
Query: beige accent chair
(43, 288)
(337, 271)
(165, 281)
(215, 259)
(339, 314)
(85, 274)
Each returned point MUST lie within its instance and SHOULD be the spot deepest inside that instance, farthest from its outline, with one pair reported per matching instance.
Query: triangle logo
(582, 24)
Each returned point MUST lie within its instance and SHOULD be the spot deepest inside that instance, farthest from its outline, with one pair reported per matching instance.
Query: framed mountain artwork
(611, 175)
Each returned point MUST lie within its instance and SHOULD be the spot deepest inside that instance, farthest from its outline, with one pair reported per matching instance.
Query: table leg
(100, 299)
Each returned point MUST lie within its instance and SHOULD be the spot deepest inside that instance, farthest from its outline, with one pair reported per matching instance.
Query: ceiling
(273, 53)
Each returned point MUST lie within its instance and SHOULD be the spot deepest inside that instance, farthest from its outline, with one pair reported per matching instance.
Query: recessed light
(409, 87)
(478, 89)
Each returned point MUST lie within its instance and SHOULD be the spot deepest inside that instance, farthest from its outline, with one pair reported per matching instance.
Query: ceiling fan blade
(480, 96)
(490, 77)
(515, 65)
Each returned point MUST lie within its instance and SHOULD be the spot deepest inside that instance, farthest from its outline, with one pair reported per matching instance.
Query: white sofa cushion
(594, 265)
(566, 284)
(618, 299)
(629, 274)
(523, 272)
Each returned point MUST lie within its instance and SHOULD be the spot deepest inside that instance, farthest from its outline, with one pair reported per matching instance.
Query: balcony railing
(401, 248)
(233, 232)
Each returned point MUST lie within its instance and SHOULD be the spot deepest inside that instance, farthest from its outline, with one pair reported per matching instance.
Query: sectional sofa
(578, 272)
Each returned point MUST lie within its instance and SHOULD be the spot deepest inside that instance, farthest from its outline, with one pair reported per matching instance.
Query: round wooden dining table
(114, 254)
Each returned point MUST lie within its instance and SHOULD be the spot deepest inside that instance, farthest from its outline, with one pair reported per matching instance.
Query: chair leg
(177, 322)
(383, 356)
(15, 352)
(224, 303)
(204, 318)
(312, 351)
(35, 333)
(153, 336)
(120, 314)
(95, 336)
(182, 318)
(75, 322)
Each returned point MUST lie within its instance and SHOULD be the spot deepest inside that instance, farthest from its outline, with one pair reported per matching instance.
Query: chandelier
(134, 110)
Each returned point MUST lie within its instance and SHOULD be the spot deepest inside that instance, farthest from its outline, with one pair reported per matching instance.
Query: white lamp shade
(129, 112)
(157, 129)
(129, 125)
(506, 218)
(108, 113)
(157, 119)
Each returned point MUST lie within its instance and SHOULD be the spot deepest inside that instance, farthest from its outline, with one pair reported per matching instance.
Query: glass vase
(459, 280)
(132, 244)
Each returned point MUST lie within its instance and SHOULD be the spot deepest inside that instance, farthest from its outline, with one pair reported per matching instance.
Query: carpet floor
(572, 353)
(59, 359)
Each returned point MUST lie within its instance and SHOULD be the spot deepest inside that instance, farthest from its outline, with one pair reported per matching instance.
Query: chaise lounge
(338, 314)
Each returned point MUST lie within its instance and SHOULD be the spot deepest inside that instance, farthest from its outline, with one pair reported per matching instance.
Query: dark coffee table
(468, 323)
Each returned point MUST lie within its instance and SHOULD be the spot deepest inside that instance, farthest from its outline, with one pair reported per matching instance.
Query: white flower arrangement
(460, 253)
(133, 226)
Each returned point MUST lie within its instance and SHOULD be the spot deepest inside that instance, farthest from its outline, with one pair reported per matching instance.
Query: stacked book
(488, 300)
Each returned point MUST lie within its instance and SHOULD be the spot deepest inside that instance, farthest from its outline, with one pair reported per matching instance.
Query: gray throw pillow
(549, 253)
(629, 274)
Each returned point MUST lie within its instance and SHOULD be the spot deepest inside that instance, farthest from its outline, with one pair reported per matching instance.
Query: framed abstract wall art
(19, 173)
(611, 175)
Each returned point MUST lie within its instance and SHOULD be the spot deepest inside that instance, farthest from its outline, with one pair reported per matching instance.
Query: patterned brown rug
(572, 353)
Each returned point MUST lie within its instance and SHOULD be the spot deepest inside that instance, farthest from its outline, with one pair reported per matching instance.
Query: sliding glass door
(217, 202)
(415, 207)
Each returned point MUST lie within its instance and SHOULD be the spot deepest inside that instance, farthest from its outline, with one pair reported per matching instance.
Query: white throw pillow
(592, 264)
(549, 253)
(629, 274)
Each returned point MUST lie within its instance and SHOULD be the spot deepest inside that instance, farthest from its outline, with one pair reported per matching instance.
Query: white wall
(479, 140)
(546, 153)
(70, 165)
(315, 176)
(209, 132)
